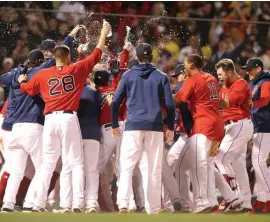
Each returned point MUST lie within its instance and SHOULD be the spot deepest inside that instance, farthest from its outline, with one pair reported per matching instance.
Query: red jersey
(61, 87)
(238, 94)
(264, 96)
(201, 92)
(4, 109)
(105, 115)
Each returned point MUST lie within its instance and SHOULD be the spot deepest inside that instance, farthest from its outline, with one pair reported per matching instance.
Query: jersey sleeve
(85, 67)
(186, 91)
(264, 96)
(238, 93)
(31, 87)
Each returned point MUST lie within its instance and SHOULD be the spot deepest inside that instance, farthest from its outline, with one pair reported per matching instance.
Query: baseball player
(260, 116)
(234, 98)
(143, 127)
(60, 88)
(108, 142)
(89, 114)
(207, 128)
(26, 136)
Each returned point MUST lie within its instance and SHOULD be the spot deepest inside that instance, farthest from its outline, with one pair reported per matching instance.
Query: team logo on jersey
(254, 90)
(225, 96)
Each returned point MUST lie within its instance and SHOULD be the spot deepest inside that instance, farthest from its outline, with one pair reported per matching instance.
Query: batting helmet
(101, 77)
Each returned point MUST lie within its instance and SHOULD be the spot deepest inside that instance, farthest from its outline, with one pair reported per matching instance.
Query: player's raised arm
(86, 65)
(31, 87)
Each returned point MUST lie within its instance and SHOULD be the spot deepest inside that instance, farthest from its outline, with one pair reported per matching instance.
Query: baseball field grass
(49, 217)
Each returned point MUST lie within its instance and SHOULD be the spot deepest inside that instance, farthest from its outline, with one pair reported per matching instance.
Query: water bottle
(110, 33)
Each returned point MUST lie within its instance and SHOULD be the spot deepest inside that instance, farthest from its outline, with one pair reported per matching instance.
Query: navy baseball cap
(48, 45)
(34, 55)
(253, 63)
(180, 69)
(143, 51)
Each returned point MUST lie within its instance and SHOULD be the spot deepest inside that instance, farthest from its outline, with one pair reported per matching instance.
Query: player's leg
(138, 194)
(183, 179)
(174, 152)
(171, 189)
(199, 147)
(153, 145)
(90, 155)
(211, 188)
(237, 155)
(51, 150)
(19, 157)
(130, 154)
(72, 148)
(260, 153)
(32, 144)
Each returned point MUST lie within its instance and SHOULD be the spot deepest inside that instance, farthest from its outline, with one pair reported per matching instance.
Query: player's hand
(169, 136)
(106, 29)
(76, 30)
(116, 133)
(22, 77)
(128, 46)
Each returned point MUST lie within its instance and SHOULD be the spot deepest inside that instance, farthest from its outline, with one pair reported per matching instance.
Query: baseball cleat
(123, 211)
(214, 208)
(242, 210)
(27, 210)
(18, 208)
(266, 208)
(91, 210)
(39, 210)
(177, 206)
(6, 210)
(77, 210)
(231, 206)
(201, 209)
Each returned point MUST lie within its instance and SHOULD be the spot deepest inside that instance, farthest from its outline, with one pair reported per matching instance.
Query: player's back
(204, 107)
(204, 100)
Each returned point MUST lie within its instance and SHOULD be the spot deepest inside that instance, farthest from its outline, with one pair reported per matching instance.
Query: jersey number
(213, 90)
(68, 85)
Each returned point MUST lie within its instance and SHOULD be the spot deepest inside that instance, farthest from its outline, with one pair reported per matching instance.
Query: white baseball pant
(233, 149)
(62, 136)
(224, 187)
(183, 176)
(90, 156)
(202, 169)
(133, 145)
(25, 141)
(170, 187)
(260, 153)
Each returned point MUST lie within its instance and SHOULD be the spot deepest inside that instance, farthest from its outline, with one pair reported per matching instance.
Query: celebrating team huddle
(65, 139)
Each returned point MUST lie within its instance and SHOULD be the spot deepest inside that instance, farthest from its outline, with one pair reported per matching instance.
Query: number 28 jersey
(201, 91)
(61, 87)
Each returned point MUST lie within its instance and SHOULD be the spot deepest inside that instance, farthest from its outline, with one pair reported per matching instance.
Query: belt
(228, 122)
(107, 125)
(65, 111)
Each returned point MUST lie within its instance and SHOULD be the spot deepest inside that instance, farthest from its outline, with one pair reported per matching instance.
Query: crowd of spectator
(170, 28)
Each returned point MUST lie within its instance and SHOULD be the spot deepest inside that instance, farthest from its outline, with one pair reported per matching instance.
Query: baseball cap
(253, 63)
(34, 55)
(178, 70)
(48, 45)
(143, 51)
(132, 63)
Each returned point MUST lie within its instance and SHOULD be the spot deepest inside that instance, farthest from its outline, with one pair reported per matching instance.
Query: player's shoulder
(241, 82)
